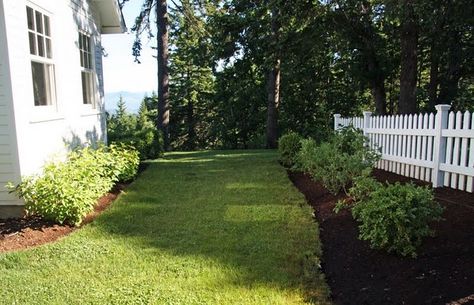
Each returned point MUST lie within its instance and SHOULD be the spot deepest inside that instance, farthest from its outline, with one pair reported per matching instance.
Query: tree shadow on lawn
(250, 223)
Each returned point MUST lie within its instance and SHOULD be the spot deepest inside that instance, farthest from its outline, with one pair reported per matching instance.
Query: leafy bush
(126, 161)
(395, 217)
(67, 191)
(338, 162)
(288, 146)
(307, 158)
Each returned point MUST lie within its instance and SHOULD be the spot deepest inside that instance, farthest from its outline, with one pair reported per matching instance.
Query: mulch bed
(443, 272)
(27, 232)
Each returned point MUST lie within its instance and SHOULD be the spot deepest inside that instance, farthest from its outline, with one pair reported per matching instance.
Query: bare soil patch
(32, 231)
(443, 272)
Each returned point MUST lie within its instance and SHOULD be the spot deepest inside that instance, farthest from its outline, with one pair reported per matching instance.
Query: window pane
(46, 26)
(86, 60)
(91, 88)
(84, 88)
(80, 41)
(31, 36)
(86, 43)
(41, 83)
(40, 45)
(48, 48)
(31, 22)
(39, 22)
(88, 92)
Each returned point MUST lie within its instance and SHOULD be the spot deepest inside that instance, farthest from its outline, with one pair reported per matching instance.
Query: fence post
(439, 147)
(337, 116)
(367, 115)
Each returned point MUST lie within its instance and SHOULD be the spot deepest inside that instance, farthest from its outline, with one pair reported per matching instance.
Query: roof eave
(111, 17)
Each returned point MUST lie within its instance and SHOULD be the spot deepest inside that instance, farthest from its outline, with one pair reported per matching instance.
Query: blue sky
(121, 73)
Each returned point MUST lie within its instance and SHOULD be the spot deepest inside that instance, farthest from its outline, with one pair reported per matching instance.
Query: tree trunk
(273, 88)
(191, 145)
(434, 76)
(272, 105)
(449, 86)
(408, 72)
(376, 75)
(377, 84)
(163, 81)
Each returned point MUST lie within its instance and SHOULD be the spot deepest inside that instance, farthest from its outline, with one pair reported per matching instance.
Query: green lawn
(194, 228)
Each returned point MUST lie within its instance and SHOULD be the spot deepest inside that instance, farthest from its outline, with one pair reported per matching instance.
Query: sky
(121, 73)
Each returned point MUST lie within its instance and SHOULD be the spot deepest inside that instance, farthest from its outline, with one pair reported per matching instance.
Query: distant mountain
(132, 100)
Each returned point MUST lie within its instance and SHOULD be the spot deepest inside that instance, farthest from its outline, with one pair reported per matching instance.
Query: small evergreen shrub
(395, 217)
(67, 191)
(137, 130)
(288, 147)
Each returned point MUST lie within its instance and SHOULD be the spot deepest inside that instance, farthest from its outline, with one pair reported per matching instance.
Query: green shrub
(307, 158)
(67, 191)
(338, 162)
(395, 217)
(126, 161)
(288, 146)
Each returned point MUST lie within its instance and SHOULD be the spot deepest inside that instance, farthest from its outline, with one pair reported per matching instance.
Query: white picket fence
(437, 148)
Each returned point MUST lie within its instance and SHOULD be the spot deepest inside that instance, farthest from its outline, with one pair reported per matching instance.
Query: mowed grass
(194, 228)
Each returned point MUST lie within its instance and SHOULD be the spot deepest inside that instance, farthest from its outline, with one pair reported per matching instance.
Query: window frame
(46, 59)
(87, 68)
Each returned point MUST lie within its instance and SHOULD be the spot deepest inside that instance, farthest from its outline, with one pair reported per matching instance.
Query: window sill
(90, 112)
(46, 118)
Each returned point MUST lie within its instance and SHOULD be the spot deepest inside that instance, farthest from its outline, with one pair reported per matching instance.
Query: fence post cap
(367, 113)
(443, 107)
(337, 115)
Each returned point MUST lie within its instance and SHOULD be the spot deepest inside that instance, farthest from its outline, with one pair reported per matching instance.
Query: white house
(51, 82)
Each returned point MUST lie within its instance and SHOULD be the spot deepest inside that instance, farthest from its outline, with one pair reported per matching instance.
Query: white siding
(45, 135)
(9, 170)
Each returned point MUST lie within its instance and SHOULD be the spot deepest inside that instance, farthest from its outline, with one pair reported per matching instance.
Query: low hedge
(67, 191)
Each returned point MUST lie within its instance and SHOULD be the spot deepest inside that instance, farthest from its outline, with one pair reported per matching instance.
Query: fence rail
(438, 148)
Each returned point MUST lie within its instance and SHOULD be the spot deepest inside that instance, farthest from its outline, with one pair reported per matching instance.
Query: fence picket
(424, 149)
(449, 149)
(409, 145)
(470, 182)
(464, 150)
(429, 152)
(454, 177)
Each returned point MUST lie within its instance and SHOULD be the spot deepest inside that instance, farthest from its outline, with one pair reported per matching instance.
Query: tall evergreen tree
(144, 24)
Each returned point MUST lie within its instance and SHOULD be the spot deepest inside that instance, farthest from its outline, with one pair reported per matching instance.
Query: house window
(42, 67)
(87, 70)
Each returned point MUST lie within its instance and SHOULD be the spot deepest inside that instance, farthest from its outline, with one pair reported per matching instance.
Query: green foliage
(137, 130)
(338, 162)
(121, 125)
(395, 217)
(67, 191)
(125, 160)
(289, 146)
(306, 159)
(336, 57)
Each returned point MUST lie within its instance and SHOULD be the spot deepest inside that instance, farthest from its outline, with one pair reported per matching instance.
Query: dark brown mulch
(443, 272)
(27, 232)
